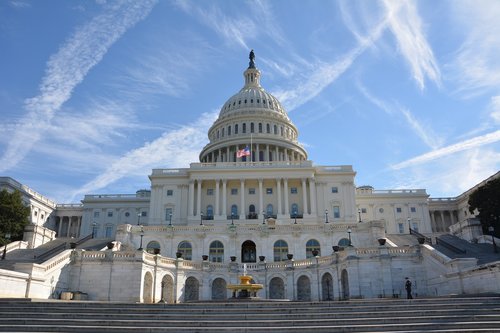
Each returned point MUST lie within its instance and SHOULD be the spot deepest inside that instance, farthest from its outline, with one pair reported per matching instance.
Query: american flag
(243, 152)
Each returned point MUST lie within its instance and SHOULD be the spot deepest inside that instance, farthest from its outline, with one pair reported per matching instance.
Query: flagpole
(251, 147)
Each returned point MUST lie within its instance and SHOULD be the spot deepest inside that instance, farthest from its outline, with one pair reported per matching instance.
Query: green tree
(14, 215)
(486, 199)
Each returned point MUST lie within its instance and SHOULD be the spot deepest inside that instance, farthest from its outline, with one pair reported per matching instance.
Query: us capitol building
(304, 232)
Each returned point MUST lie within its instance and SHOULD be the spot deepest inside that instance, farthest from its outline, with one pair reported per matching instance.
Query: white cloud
(66, 69)
(176, 148)
(495, 109)
(445, 151)
(406, 26)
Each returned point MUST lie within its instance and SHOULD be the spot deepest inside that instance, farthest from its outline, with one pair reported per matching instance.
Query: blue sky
(94, 94)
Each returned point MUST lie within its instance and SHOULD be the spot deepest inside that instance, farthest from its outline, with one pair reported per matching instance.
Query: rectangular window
(269, 190)
(144, 213)
(210, 191)
(414, 226)
(363, 210)
(335, 189)
(234, 191)
(413, 209)
(109, 231)
(168, 214)
(336, 212)
(251, 191)
(398, 209)
(110, 214)
(96, 214)
(170, 193)
(401, 228)
(293, 190)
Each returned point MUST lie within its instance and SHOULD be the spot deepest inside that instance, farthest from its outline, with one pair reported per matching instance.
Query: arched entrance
(327, 287)
(167, 284)
(276, 288)
(248, 252)
(191, 289)
(147, 288)
(219, 290)
(344, 280)
(303, 288)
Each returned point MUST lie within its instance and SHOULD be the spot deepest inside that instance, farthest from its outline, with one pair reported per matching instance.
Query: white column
(227, 155)
(278, 186)
(261, 198)
(267, 153)
(257, 149)
(60, 225)
(217, 188)
(191, 198)
(277, 154)
(287, 210)
(304, 197)
(224, 198)
(242, 196)
(198, 198)
(68, 234)
(312, 189)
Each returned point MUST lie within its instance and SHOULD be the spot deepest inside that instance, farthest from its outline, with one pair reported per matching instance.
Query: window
(170, 193)
(236, 129)
(252, 129)
(260, 127)
(210, 211)
(398, 209)
(269, 210)
(275, 129)
(269, 190)
(280, 250)
(251, 190)
(363, 210)
(413, 209)
(217, 134)
(343, 242)
(336, 212)
(150, 248)
(144, 214)
(210, 191)
(223, 131)
(186, 249)
(401, 228)
(335, 189)
(414, 226)
(295, 209)
(216, 251)
(293, 190)
(234, 210)
(312, 245)
(127, 214)
(268, 128)
(244, 128)
(168, 214)
(380, 210)
(234, 191)
(229, 130)
(109, 231)
(96, 214)
(110, 214)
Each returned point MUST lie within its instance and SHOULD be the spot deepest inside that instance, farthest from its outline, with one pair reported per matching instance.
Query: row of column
(73, 223)
(285, 200)
(442, 225)
(270, 153)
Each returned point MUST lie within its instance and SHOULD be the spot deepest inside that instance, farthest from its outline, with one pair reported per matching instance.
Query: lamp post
(359, 215)
(201, 218)
(409, 225)
(170, 219)
(326, 215)
(349, 233)
(263, 217)
(138, 218)
(295, 217)
(491, 229)
(232, 218)
(142, 235)
(7, 237)
(94, 225)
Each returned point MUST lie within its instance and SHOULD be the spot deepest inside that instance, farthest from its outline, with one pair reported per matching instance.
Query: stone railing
(14, 246)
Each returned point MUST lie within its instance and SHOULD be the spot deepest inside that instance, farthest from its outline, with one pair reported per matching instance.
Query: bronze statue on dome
(251, 56)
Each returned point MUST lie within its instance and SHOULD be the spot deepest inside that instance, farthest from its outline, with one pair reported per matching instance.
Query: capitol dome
(253, 119)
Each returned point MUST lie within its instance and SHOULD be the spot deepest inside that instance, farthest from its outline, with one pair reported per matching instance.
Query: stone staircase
(452, 314)
(483, 252)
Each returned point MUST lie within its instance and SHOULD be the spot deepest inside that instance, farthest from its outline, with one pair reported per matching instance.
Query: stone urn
(233, 258)
(315, 252)
(381, 241)
(205, 257)
(421, 240)
(156, 251)
(289, 256)
(110, 245)
(262, 258)
(72, 245)
(178, 255)
(335, 248)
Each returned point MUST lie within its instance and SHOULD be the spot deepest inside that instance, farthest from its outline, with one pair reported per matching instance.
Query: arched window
(234, 210)
(216, 251)
(222, 132)
(295, 209)
(268, 128)
(229, 130)
(252, 129)
(236, 129)
(312, 245)
(269, 210)
(344, 242)
(150, 248)
(210, 212)
(281, 130)
(251, 212)
(186, 249)
(280, 250)
(217, 134)
(275, 129)
(260, 127)
(244, 128)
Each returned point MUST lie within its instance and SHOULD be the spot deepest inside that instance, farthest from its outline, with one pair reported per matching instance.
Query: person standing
(408, 288)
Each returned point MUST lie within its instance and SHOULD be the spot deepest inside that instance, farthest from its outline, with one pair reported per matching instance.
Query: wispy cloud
(66, 69)
(174, 148)
(406, 26)
(461, 146)
(427, 136)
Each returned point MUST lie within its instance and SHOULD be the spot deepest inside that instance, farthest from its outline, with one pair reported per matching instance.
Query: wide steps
(481, 314)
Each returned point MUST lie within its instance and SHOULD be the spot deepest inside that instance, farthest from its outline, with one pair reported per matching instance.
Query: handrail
(51, 251)
(450, 246)
(419, 235)
(84, 239)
